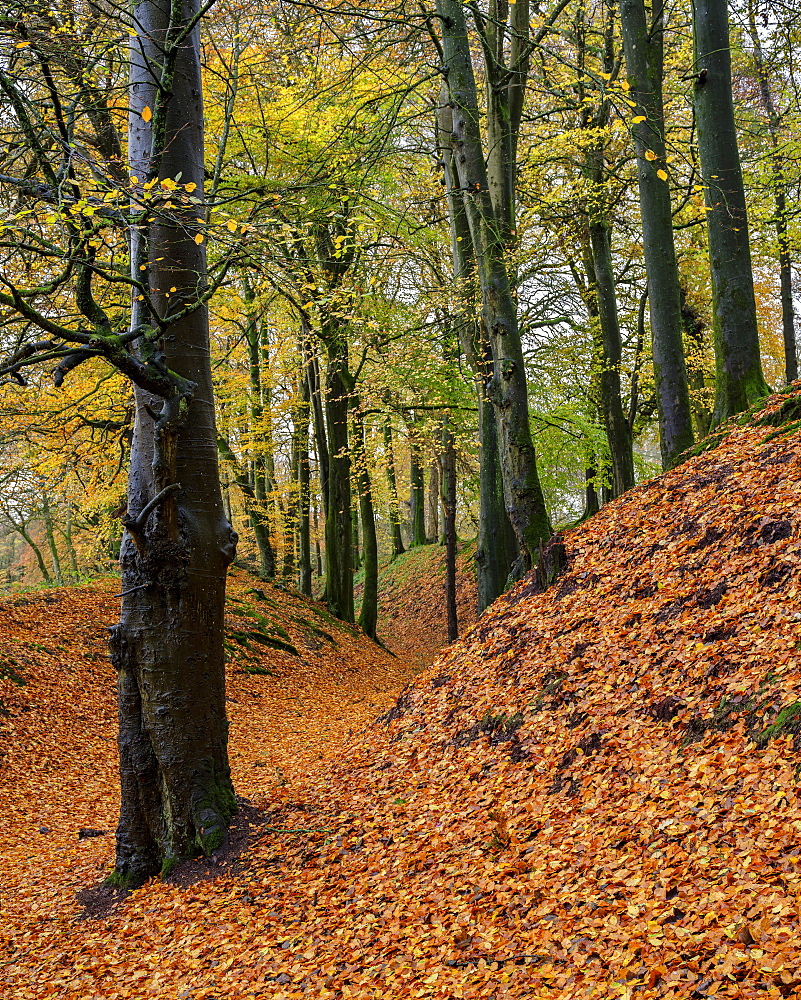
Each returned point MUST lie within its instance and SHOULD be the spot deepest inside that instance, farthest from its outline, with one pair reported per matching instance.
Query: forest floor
(593, 794)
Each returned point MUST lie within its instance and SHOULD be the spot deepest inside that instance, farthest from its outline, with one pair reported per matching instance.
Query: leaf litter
(593, 794)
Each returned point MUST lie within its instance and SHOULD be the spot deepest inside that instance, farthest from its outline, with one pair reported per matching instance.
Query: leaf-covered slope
(594, 794)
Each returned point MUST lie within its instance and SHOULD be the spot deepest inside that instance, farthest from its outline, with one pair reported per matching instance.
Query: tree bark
(417, 493)
(338, 564)
(643, 46)
(177, 795)
(779, 198)
(448, 496)
(618, 429)
(496, 550)
(368, 615)
(508, 391)
(392, 483)
(739, 378)
(300, 444)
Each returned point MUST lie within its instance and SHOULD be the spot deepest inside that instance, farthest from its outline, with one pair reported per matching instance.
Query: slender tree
(643, 40)
(739, 378)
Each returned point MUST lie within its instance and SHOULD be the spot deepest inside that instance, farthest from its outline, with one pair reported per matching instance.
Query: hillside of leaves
(593, 794)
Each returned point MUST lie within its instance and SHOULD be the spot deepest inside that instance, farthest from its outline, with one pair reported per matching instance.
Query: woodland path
(58, 788)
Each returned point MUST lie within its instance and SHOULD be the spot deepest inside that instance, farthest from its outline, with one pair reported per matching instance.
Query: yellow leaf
(662, 175)
(625, 84)
(650, 154)
(147, 114)
(199, 238)
(638, 118)
(190, 187)
(231, 224)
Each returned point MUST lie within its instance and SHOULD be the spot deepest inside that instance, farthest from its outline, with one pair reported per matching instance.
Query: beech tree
(176, 792)
(739, 379)
(643, 39)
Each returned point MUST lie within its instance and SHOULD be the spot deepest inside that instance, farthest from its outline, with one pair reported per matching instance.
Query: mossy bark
(739, 378)
(176, 792)
(643, 44)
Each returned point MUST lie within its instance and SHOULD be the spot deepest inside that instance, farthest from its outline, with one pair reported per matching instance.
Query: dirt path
(59, 763)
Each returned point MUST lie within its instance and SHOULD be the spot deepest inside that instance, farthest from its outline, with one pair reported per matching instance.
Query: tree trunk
(432, 512)
(644, 61)
(338, 565)
(258, 509)
(508, 391)
(318, 416)
(618, 430)
(392, 483)
(23, 530)
(300, 444)
(368, 616)
(449, 506)
(417, 495)
(779, 199)
(51, 539)
(739, 380)
(496, 550)
(177, 795)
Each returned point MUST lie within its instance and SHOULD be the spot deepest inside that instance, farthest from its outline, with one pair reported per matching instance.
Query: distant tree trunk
(368, 616)
(392, 483)
(317, 551)
(356, 558)
(417, 489)
(449, 504)
(779, 198)
(643, 42)
(177, 795)
(694, 335)
(22, 528)
(338, 564)
(508, 389)
(300, 435)
(609, 354)
(258, 508)
(47, 516)
(432, 518)
(68, 541)
(591, 504)
(739, 380)
(318, 414)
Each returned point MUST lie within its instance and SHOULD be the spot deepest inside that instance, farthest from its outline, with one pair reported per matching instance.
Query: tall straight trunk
(317, 550)
(618, 429)
(300, 443)
(253, 508)
(392, 484)
(417, 495)
(338, 565)
(448, 497)
(643, 44)
(47, 516)
(508, 390)
(779, 183)
(70, 544)
(176, 792)
(433, 504)
(354, 537)
(496, 550)
(318, 414)
(258, 507)
(368, 616)
(739, 379)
